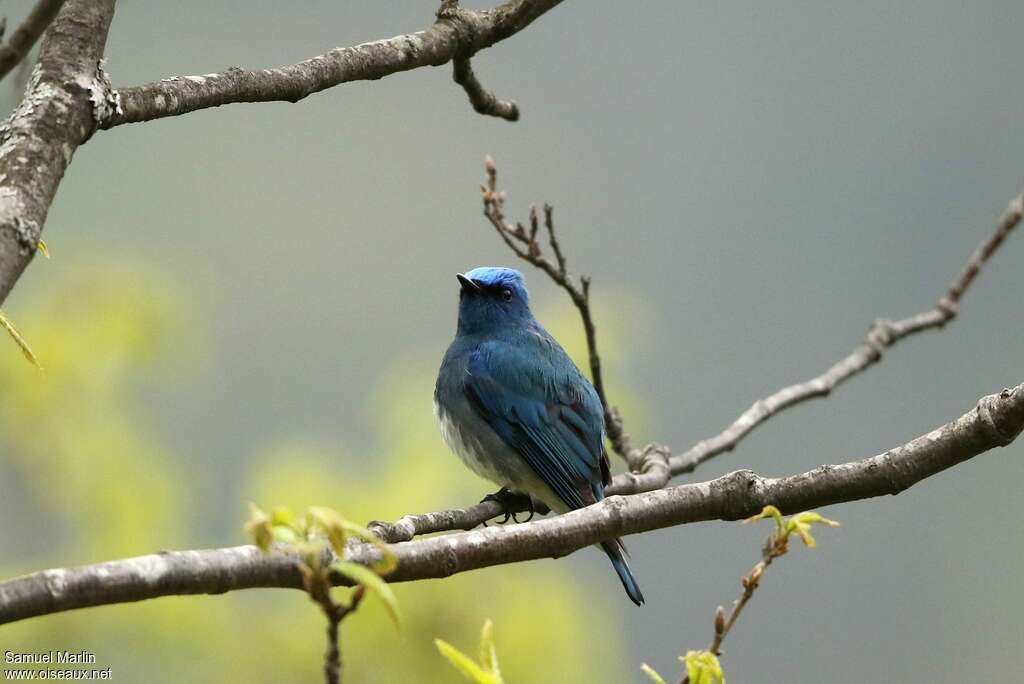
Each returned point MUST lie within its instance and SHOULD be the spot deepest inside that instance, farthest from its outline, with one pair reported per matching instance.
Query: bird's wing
(539, 403)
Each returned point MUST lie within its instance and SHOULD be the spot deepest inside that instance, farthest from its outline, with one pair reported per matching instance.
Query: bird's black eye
(506, 294)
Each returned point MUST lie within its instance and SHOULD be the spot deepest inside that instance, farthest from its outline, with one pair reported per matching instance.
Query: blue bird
(516, 409)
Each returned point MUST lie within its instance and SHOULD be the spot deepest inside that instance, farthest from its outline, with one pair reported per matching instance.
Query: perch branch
(995, 421)
(655, 470)
(457, 33)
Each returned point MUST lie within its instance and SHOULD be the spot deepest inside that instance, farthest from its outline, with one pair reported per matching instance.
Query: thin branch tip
(483, 101)
(516, 238)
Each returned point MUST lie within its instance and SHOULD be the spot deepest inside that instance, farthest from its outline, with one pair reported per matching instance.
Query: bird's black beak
(467, 284)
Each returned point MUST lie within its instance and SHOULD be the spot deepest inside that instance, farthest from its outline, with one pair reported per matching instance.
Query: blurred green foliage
(81, 460)
(486, 670)
(309, 536)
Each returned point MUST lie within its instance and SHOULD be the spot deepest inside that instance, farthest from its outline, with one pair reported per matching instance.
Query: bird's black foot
(511, 503)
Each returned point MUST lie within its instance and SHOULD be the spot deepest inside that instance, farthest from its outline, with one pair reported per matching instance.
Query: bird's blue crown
(498, 276)
(492, 298)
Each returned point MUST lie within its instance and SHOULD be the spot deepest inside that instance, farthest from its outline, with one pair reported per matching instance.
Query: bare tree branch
(995, 421)
(67, 93)
(483, 101)
(654, 471)
(523, 242)
(458, 33)
(883, 334)
(26, 35)
(649, 465)
(69, 96)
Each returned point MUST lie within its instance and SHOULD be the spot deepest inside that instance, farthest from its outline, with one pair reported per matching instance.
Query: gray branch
(26, 35)
(66, 95)
(458, 33)
(653, 466)
(882, 335)
(69, 96)
(656, 468)
(483, 101)
(995, 421)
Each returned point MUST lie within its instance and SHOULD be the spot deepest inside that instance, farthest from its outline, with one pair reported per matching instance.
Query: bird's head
(492, 298)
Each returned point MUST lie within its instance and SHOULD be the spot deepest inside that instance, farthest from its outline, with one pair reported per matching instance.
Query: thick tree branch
(26, 35)
(67, 93)
(458, 33)
(996, 421)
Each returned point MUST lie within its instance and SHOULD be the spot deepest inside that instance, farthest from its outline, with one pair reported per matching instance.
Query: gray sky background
(769, 179)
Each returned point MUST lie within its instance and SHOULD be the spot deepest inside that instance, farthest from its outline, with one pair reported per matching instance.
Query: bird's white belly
(469, 449)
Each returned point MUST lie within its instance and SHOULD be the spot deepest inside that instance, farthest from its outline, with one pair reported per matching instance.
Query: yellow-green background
(250, 303)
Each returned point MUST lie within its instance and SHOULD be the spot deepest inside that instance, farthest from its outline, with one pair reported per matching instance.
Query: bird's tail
(614, 550)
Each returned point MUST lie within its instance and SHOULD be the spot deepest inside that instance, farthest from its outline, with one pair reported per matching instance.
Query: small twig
(524, 244)
(332, 658)
(651, 468)
(483, 101)
(750, 583)
(882, 335)
(776, 545)
(317, 581)
(772, 549)
(26, 35)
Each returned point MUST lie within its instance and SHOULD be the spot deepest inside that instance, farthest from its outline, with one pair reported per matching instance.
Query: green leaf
(652, 674)
(282, 515)
(18, 340)
(360, 574)
(488, 654)
(769, 512)
(702, 667)
(464, 664)
(332, 525)
(800, 524)
(259, 529)
(284, 534)
(484, 672)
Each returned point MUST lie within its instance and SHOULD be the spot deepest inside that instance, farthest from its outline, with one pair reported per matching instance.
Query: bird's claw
(510, 502)
(531, 511)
